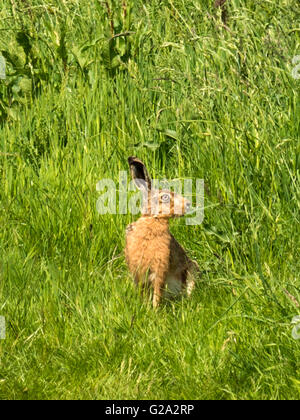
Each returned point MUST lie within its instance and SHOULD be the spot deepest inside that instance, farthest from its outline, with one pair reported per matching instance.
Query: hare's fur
(153, 255)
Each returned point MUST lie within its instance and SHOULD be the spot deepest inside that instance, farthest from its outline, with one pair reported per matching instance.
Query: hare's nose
(188, 206)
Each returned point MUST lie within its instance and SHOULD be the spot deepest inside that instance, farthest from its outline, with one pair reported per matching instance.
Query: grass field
(196, 92)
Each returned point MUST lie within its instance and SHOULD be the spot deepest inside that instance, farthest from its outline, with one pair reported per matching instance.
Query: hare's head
(160, 203)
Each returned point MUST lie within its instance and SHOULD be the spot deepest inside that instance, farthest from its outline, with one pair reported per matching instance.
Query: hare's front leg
(190, 283)
(192, 272)
(157, 294)
(158, 279)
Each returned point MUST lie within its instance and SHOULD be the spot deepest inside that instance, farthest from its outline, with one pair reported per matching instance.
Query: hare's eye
(165, 198)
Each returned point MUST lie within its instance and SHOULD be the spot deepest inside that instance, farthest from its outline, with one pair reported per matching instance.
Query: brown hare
(152, 253)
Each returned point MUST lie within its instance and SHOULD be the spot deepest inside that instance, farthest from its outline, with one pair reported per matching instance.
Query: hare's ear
(139, 173)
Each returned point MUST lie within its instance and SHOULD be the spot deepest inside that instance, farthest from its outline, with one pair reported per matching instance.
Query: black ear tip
(131, 159)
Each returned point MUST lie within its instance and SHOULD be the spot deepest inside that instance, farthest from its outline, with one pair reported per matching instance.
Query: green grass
(193, 100)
